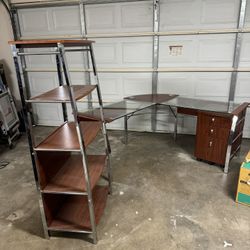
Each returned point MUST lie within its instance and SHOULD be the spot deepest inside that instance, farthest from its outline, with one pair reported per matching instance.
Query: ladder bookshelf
(67, 178)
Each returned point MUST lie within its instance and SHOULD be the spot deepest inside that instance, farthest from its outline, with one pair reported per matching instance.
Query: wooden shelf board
(61, 94)
(73, 214)
(65, 137)
(70, 178)
(50, 42)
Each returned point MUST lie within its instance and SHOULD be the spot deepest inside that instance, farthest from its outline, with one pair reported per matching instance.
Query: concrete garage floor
(163, 199)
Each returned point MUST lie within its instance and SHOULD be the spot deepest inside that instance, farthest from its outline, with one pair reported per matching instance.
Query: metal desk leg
(125, 129)
(229, 146)
(175, 127)
(175, 122)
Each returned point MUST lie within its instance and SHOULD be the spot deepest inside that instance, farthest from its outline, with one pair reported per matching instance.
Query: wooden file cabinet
(216, 137)
(212, 136)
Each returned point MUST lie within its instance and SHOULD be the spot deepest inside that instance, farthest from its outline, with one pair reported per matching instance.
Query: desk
(219, 127)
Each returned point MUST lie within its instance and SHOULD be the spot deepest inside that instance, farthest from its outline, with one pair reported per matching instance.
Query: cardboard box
(248, 157)
(243, 190)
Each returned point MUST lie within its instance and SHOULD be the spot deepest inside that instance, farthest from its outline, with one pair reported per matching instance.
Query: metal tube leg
(45, 229)
(175, 114)
(125, 129)
(226, 167)
(24, 110)
(80, 139)
(229, 147)
(110, 177)
(106, 139)
(175, 127)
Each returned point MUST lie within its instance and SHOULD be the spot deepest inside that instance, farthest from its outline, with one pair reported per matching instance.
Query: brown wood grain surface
(212, 135)
(65, 137)
(50, 42)
(69, 176)
(61, 94)
(72, 213)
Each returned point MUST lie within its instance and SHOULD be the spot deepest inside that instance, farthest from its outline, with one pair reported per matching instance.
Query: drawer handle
(210, 144)
(213, 119)
(212, 131)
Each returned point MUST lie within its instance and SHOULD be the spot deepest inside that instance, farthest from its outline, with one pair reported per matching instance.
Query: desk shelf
(64, 173)
(65, 138)
(61, 94)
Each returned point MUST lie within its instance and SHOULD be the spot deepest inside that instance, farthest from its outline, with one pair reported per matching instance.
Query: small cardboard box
(243, 191)
(248, 157)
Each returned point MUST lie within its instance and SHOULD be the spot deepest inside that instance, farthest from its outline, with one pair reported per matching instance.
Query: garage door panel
(42, 82)
(137, 53)
(187, 17)
(210, 85)
(30, 26)
(123, 52)
(134, 84)
(245, 51)
(123, 17)
(243, 86)
(215, 51)
(101, 18)
(48, 114)
(220, 14)
(50, 21)
(176, 51)
(75, 59)
(78, 78)
(198, 14)
(173, 83)
(196, 51)
(106, 52)
(66, 19)
(111, 87)
(36, 61)
(137, 16)
(247, 20)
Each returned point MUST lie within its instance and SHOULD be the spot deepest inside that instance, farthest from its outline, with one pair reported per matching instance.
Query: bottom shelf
(71, 212)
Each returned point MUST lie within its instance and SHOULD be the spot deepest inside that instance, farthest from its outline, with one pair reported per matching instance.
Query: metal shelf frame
(63, 73)
(155, 34)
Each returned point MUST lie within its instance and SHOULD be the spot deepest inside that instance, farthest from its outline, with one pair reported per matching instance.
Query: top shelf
(49, 43)
(61, 94)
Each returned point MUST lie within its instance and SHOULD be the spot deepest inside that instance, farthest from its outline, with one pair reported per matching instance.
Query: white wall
(5, 53)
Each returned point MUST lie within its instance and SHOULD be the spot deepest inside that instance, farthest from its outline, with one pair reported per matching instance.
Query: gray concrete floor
(163, 199)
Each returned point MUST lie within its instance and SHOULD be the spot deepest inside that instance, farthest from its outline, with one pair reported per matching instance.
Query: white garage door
(136, 52)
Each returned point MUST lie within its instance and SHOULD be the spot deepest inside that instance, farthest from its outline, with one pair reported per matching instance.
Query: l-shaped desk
(219, 127)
